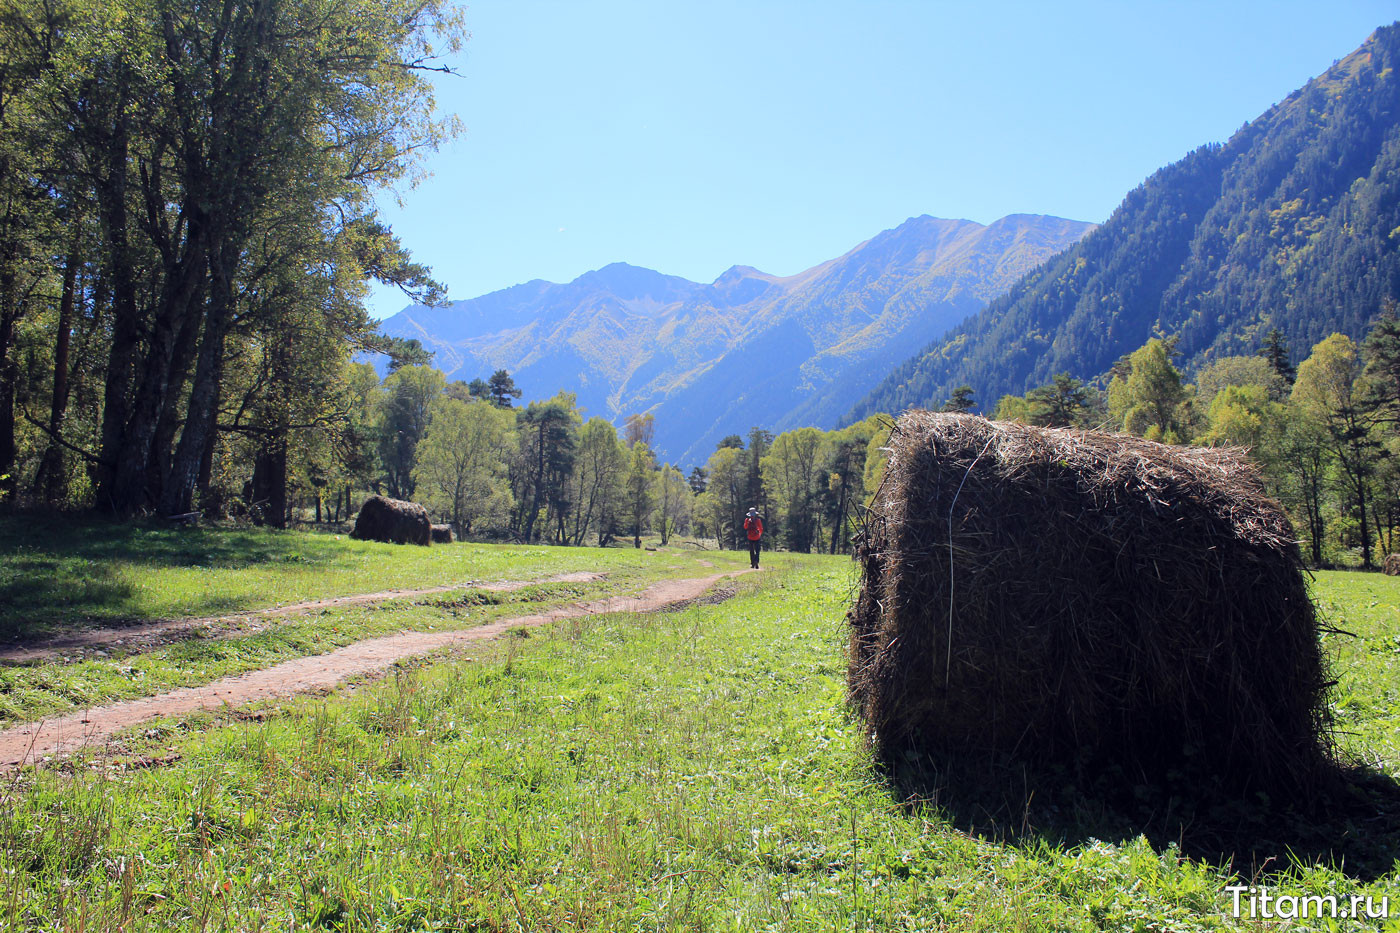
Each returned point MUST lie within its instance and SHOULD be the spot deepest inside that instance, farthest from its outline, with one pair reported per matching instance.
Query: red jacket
(754, 526)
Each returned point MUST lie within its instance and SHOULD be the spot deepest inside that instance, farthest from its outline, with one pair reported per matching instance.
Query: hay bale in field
(1060, 596)
(442, 534)
(1392, 565)
(392, 520)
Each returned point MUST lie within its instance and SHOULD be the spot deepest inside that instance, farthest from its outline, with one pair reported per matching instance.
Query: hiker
(753, 526)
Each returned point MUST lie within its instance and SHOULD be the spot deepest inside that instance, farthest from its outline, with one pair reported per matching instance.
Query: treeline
(186, 231)
(545, 473)
(1325, 434)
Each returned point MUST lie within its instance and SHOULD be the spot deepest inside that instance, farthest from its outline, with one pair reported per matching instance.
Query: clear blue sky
(692, 136)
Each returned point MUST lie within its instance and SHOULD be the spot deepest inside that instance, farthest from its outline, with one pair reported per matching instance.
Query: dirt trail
(32, 742)
(148, 635)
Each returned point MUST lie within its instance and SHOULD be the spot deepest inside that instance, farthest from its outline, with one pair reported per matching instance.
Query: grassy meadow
(686, 770)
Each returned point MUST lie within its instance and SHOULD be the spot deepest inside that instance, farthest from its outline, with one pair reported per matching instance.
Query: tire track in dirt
(32, 742)
(149, 635)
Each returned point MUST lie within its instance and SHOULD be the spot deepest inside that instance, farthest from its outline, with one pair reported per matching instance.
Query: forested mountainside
(708, 360)
(1294, 223)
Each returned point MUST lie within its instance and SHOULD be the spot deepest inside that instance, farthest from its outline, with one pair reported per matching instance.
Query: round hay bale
(1392, 565)
(1059, 596)
(442, 534)
(393, 521)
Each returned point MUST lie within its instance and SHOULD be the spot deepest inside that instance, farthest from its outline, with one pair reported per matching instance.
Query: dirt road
(148, 635)
(32, 742)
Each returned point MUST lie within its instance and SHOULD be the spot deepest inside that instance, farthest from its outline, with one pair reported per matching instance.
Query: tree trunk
(201, 422)
(8, 377)
(840, 510)
(52, 481)
(126, 323)
(539, 487)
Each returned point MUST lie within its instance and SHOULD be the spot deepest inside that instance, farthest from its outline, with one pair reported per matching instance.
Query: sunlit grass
(694, 770)
(58, 572)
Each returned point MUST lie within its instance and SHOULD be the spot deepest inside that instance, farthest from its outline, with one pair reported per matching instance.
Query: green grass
(695, 770)
(29, 691)
(57, 573)
(1366, 702)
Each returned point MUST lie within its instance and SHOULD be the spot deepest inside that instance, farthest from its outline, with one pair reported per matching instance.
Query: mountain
(1293, 223)
(746, 349)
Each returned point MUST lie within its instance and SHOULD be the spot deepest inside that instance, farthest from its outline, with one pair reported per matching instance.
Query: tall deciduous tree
(640, 492)
(461, 463)
(1331, 391)
(405, 410)
(598, 471)
(1151, 400)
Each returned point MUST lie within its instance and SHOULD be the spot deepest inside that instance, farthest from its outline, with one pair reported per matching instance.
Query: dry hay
(1065, 597)
(392, 520)
(442, 534)
(1392, 565)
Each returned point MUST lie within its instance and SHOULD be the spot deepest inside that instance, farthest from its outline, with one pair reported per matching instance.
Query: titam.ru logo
(1257, 902)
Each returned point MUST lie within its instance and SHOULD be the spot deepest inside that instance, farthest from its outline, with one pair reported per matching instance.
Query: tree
(1382, 352)
(639, 428)
(1274, 352)
(960, 400)
(1151, 401)
(673, 502)
(725, 494)
(755, 491)
(1063, 403)
(843, 461)
(697, 480)
(640, 501)
(598, 471)
(1238, 371)
(548, 439)
(1305, 461)
(1330, 390)
(405, 408)
(460, 466)
(501, 389)
(406, 352)
(1245, 416)
(1013, 408)
(792, 476)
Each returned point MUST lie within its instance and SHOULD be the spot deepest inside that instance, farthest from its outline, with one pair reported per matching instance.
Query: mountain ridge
(749, 348)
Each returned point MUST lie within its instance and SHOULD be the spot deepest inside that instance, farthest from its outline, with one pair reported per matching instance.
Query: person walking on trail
(753, 527)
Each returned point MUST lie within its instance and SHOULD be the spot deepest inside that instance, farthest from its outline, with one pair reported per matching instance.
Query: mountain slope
(747, 349)
(1293, 223)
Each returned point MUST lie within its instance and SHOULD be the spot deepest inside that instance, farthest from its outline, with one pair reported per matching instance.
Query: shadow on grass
(1352, 825)
(58, 570)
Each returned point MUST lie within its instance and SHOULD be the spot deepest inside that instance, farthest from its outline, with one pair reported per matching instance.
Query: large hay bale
(392, 520)
(442, 534)
(1072, 597)
(1392, 565)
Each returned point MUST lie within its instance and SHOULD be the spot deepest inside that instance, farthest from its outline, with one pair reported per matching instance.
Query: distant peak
(630, 282)
(737, 273)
